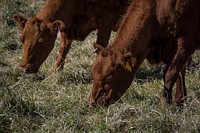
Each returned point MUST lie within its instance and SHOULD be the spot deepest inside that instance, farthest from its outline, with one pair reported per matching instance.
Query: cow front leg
(65, 44)
(104, 29)
(103, 36)
(172, 74)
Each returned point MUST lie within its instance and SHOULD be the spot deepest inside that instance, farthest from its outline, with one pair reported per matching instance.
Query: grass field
(45, 102)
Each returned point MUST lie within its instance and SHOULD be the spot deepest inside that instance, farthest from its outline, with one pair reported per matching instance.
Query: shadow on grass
(146, 75)
(75, 78)
(17, 112)
(2, 64)
(77, 75)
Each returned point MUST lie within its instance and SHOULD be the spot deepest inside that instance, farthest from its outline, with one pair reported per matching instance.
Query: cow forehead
(34, 24)
(102, 65)
(28, 29)
(33, 31)
(30, 35)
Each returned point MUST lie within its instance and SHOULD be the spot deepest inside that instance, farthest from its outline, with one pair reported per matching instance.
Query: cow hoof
(164, 102)
(180, 103)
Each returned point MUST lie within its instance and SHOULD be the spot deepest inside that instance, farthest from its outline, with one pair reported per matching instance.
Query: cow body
(145, 21)
(75, 19)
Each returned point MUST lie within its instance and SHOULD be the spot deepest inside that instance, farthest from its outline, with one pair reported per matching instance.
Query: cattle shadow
(193, 65)
(80, 74)
(145, 75)
(15, 108)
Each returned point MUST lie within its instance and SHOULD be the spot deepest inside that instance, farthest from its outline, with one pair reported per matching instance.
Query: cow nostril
(92, 103)
(26, 70)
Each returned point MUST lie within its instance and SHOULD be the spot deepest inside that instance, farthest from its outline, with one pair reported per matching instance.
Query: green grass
(45, 102)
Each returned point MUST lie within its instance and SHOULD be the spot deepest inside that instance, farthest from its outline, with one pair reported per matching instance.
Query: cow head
(38, 38)
(112, 75)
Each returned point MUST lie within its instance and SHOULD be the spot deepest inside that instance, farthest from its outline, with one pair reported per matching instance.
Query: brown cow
(75, 19)
(146, 20)
(158, 52)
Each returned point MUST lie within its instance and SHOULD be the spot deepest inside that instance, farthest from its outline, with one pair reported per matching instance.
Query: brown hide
(75, 19)
(145, 22)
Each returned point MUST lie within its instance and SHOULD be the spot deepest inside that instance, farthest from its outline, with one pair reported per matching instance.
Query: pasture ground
(45, 102)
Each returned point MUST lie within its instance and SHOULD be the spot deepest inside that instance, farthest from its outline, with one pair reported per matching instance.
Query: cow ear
(56, 25)
(21, 21)
(127, 61)
(97, 48)
(59, 24)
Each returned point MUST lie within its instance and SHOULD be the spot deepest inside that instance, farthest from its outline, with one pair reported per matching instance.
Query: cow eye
(102, 93)
(40, 40)
(108, 77)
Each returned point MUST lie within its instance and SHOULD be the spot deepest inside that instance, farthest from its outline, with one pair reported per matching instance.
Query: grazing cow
(75, 19)
(145, 21)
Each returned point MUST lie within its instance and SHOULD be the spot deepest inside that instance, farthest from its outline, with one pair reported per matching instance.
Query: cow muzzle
(101, 101)
(28, 69)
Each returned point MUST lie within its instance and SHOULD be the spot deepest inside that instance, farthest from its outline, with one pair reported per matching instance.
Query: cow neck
(134, 32)
(50, 11)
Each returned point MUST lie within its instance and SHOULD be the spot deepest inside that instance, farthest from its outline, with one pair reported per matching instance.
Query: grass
(45, 102)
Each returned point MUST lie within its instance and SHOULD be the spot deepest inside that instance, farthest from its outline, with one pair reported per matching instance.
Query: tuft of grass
(56, 102)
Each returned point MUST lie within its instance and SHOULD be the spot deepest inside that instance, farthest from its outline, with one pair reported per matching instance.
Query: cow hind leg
(65, 44)
(180, 94)
(171, 74)
(167, 94)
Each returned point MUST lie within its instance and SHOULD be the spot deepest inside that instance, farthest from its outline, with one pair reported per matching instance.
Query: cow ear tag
(128, 66)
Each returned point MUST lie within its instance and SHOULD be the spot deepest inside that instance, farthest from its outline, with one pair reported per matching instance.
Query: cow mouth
(101, 101)
(104, 99)
(29, 69)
